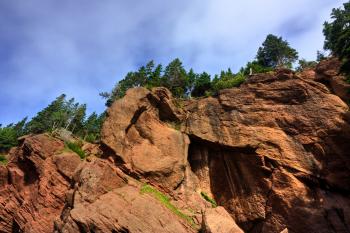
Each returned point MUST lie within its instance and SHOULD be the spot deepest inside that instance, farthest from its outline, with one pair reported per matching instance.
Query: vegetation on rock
(76, 147)
(3, 160)
(337, 35)
(166, 201)
(208, 199)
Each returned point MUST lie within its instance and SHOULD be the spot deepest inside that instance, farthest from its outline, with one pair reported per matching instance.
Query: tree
(8, 138)
(227, 80)
(175, 78)
(276, 52)
(10, 133)
(202, 84)
(320, 56)
(304, 64)
(337, 35)
(58, 114)
(255, 67)
(50, 116)
(92, 127)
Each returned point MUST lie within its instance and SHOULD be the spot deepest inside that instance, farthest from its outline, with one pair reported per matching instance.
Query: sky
(84, 47)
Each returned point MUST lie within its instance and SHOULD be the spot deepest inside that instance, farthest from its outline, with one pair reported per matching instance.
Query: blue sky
(83, 47)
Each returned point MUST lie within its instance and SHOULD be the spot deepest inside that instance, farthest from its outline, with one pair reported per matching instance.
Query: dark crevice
(232, 172)
(16, 228)
(135, 117)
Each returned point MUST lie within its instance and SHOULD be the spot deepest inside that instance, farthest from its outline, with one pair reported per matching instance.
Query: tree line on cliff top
(274, 52)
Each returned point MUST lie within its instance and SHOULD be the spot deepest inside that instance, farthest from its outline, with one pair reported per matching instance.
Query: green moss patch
(208, 199)
(165, 200)
(75, 147)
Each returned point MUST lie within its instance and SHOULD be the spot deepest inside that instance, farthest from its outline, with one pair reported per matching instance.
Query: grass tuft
(208, 199)
(165, 200)
(75, 147)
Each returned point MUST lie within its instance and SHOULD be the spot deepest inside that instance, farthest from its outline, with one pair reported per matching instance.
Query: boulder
(138, 130)
(35, 191)
(106, 200)
(218, 220)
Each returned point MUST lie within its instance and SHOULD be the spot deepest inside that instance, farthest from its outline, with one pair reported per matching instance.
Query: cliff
(269, 156)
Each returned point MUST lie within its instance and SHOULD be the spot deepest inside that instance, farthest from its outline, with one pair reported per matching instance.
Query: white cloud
(83, 47)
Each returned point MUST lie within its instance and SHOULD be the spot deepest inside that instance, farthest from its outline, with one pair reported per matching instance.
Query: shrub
(76, 147)
(229, 82)
(3, 160)
(208, 199)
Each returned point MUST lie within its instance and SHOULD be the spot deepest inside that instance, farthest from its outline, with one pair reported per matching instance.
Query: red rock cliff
(273, 155)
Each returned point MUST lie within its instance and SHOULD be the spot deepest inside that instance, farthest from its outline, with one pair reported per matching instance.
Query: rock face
(273, 154)
(142, 139)
(217, 220)
(328, 72)
(33, 189)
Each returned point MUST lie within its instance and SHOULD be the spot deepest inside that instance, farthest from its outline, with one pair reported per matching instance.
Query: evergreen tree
(175, 78)
(304, 64)
(9, 135)
(276, 52)
(337, 35)
(202, 84)
(48, 118)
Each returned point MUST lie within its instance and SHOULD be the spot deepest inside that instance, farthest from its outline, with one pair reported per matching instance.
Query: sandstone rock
(274, 129)
(328, 71)
(92, 149)
(35, 192)
(124, 210)
(273, 154)
(142, 139)
(106, 200)
(217, 220)
(66, 163)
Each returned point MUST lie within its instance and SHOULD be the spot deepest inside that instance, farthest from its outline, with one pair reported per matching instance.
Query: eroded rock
(35, 192)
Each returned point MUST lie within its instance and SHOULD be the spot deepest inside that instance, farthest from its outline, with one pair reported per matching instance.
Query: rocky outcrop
(107, 200)
(273, 154)
(272, 151)
(328, 72)
(34, 185)
(217, 220)
(142, 139)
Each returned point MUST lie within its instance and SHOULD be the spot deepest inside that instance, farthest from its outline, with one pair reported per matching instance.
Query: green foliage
(3, 160)
(67, 114)
(165, 200)
(320, 56)
(10, 133)
(92, 127)
(202, 84)
(181, 83)
(8, 138)
(255, 68)
(228, 80)
(337, 35)
(303, 64)
(147, 76)
(175, 78)
(276, 52)
(76, 147)
(208, 199)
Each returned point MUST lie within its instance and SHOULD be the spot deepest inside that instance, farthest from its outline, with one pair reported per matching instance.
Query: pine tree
(276, 52)
(337, 35)
(175, 78)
